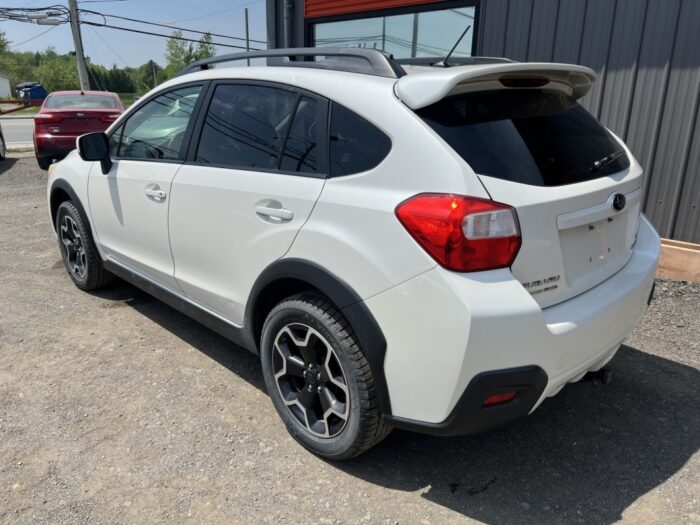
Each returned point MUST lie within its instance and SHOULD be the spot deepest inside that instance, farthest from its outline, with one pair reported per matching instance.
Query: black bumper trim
(470, 417)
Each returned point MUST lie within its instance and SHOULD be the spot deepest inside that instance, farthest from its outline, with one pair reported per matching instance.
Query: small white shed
(5, 91)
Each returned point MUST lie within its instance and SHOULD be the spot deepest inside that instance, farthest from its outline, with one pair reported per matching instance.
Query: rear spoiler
(418, 90)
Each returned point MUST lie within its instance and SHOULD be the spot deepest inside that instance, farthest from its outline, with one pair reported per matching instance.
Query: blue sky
(108, 46)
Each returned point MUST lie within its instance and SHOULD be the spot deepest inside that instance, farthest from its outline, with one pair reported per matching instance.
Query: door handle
(155, 193)
(282, 214)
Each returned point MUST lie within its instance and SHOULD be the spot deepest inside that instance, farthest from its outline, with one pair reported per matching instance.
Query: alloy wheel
(310, 379)
(73, 248)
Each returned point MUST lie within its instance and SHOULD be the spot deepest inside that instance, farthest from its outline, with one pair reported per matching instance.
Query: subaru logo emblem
(619, 201)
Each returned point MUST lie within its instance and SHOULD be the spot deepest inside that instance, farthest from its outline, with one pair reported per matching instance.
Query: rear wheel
(3, 147)
(44, 162)
(319, 379)
(78, 251)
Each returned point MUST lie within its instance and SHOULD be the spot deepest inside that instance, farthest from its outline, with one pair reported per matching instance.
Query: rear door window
(301, 151)
(246, 126)
(527, 136)
(356, 145)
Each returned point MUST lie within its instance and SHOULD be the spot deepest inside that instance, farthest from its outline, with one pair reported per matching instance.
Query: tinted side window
(245, 126)
(156, 130)
(301, 149)
(356, 145)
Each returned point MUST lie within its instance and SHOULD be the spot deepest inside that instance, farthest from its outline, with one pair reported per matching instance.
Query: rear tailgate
(575, 187)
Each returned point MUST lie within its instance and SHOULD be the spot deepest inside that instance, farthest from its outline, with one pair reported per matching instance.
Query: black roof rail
(454, 61)
(352, 59)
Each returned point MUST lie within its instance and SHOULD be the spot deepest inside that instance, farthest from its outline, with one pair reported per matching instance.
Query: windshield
(81, 102)
(528, 136)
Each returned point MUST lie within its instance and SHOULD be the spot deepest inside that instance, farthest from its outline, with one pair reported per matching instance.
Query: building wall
(647, 57)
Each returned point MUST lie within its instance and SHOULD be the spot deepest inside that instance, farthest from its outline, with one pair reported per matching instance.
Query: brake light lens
(47, 118)
(463, 234)
(109, 118)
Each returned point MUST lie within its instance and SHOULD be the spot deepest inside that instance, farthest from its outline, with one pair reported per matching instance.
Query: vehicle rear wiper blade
(608, 159)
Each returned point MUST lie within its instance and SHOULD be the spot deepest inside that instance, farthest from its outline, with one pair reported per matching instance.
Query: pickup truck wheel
(319, 379)
(78, 251)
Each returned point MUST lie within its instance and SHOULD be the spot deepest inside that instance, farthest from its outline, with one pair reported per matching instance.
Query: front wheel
(319, 379)
(78, 251)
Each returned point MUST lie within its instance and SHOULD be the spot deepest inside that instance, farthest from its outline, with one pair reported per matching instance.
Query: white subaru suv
(429, 247)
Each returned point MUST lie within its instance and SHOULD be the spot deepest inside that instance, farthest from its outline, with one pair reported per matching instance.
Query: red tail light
(47, 118)
(109, 118)
(464, 234)
(498, 399)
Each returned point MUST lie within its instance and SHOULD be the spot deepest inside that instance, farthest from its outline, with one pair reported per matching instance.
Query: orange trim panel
(317, 8)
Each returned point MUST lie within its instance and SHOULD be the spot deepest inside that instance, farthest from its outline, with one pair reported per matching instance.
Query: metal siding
(493, 19)
(543, 30)
(677, 123)
(621, 69)
(595, 47)
(518, 29)
(687, 227)
(567, 44)
(652, 80)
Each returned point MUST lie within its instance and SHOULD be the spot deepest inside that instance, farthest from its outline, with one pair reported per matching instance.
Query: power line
(34, 37)
(97, 34)
(217, 12)
(169, 26)
(131, 30)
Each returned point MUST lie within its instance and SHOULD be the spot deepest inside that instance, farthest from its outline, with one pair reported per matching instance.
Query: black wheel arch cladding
(342, 295)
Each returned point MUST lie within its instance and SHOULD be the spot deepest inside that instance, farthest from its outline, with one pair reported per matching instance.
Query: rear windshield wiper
(608, 159)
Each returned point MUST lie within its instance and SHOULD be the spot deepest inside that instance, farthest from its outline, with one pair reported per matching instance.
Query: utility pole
(247, 35)
(78, 41)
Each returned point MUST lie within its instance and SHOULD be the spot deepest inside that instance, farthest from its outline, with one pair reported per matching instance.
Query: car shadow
(238, 360)
(7, 163)
(583, 456)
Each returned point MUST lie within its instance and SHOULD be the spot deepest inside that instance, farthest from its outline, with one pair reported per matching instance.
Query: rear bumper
(54, 146)
(445, 330)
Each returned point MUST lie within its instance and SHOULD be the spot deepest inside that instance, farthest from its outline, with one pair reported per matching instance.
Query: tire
(302, 327)
(44, 162)
(3, 147)
(78, 251)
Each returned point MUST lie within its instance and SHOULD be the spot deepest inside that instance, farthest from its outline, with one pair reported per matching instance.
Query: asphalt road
(114, 408)
(17, 131)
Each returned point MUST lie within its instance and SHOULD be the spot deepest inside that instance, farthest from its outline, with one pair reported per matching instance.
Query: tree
(4, 43)
(179, 52)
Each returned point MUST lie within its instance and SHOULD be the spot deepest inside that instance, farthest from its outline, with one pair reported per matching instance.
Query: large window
(424, 34)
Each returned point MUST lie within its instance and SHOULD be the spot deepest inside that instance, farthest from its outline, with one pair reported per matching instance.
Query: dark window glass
(301, 148)
(527, 136)
(156, 130)
(356, 145)
(245, 126)
(81, 102)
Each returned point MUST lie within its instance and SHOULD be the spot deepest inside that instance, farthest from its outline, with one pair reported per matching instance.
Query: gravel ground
(114, 408)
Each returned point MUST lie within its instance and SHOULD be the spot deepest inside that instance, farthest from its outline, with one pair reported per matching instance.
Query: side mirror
(95, 147)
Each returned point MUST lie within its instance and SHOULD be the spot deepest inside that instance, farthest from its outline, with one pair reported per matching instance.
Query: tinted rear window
(80, 102)
(356, 145)
(527, 136)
